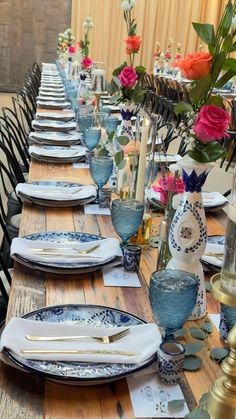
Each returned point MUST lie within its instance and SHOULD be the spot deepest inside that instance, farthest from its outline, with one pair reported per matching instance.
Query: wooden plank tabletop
(27, 396)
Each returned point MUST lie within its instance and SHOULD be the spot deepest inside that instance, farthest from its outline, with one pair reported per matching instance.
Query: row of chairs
(15, 126)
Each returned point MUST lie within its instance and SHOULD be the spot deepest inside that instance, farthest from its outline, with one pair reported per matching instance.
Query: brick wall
(28, 33)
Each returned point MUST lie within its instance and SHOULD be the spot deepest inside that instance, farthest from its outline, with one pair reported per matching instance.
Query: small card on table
(96, 210)
(118, 277)
(81, 165)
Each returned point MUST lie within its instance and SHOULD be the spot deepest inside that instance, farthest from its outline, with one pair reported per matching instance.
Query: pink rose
(211, 123)
(71, 49)
(86, 63)
(128, 77)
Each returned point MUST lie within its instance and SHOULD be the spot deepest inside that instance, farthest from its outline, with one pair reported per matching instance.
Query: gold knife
(78, 352)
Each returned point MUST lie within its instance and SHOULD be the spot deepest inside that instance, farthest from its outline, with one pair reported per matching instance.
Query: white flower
(233, 23)
(126, 5)
(132, 2)
(91, 25)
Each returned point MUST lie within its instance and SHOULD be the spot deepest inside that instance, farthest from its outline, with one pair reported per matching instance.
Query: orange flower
(133, 44)
(195, 66)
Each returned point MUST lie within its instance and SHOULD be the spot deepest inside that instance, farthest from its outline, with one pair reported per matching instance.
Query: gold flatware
(214, 254)
(103, 339)
(55, 250)
(77, 352)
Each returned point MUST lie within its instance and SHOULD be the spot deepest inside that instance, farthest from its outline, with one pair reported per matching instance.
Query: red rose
(195, 66)
(211, 123)
(86, 63)
(133, 44)
(128, 77)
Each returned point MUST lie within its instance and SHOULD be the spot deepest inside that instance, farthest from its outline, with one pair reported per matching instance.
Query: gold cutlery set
(53, 251)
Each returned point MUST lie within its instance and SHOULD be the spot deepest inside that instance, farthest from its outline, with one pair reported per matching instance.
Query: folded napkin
(60, 153)
(56, 115)
(48, 124)
(58, 193)
(211, 199)
(108, 248)
(143, 339)
(51, 98)
(53, 105)
(214, 260)
(56, 136)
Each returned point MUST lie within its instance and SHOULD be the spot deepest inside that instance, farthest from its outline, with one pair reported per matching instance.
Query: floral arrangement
(86, 62)
(178, 54)
(65, 41)
(168, 186)
(168, 51)
(126, 81)
(206, 120)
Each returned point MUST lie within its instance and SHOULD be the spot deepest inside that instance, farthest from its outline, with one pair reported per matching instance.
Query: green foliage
(118, 157)
(207, 153)
(198, 414)
(192, 363)
(180, 332)
(182, 107)
(206, 32)
(193, 348)
(218, 354)
(197, 333)
(122, 140)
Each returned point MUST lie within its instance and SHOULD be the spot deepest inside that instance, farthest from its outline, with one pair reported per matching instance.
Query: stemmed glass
(92, 137)
(172, 296)
(126, 218)
(101, 169)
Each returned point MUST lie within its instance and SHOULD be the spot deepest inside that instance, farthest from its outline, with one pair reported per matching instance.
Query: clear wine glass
(126, 218)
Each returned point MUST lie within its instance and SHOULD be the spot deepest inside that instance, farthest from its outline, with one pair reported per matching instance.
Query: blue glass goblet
(99, 119)
(84, 122)
(112, 124)
(172, 296)
(126, 217)
(92, 137)
(101, 169)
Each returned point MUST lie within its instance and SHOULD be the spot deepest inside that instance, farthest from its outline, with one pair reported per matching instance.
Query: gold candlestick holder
(221, 402)
(98, 97)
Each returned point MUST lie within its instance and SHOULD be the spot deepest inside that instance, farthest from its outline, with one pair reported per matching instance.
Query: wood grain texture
(27, 396)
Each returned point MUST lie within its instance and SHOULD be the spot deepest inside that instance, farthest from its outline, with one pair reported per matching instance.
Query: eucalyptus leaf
(118, 157)
(197, 333)
(206, 32)
(218, 354)
(122, 140)
(180, 332)
(198, 414)
(182, 107)
(207, 286)
(121, 165)
(175, 405)
(192, 363)
(193, 348)
(207, 326)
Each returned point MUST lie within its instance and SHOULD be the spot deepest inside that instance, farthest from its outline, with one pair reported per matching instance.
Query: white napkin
(40, 151)
(107, 249)
(214, 248)
(50, 124)
(213, 199)
(143, 340)
(53, 105)
(50, 98)
(56, 115)
(55, 136)
(58, 193)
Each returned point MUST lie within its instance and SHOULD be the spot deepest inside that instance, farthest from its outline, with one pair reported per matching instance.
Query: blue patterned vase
(127, 112)
(188, 231)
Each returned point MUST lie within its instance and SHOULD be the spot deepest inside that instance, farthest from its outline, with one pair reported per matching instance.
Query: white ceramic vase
(188, 231)
(127, 112)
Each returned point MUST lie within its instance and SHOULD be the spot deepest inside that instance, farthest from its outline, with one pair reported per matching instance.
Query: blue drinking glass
(92, 137)
(99, 119)
(126, 217)
(101, 169)
(106, 109)
(84, 122)
(112, 124)
(172, 296)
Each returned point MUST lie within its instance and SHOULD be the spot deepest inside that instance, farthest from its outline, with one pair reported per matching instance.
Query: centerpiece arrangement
(204, 125)
(86, 61)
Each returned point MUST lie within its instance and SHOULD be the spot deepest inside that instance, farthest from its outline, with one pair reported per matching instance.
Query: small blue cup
(131, 258)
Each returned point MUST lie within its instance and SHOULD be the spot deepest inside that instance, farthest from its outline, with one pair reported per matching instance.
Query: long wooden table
(27, 396)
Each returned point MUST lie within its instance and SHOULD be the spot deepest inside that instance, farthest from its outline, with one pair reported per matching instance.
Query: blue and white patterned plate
(69, 267)
(81, 373)
(53, 202)
(214, 240)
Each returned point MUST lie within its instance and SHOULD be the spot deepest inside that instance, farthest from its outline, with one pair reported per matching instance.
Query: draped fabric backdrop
(158, 20)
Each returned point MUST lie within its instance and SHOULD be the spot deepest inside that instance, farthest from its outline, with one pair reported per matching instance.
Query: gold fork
(55, 249)
(102, 339)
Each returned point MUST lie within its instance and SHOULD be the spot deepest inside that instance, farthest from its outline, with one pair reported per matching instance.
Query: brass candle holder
(221, 402)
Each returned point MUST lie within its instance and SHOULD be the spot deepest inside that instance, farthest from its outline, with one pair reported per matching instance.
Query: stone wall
(28, 33)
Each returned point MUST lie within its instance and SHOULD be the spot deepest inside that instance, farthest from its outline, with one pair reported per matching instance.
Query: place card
(150, 398)
(96, 210)
(118, 277)
(81, 165)
(215, 318)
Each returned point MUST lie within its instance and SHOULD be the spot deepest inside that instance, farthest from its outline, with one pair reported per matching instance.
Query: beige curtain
(158, 20)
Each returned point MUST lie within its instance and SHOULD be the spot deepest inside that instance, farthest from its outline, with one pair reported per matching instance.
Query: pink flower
(169, 184)
(167, 56)
(128, 77)
(211, 123)
(86, 63)
(71, 49)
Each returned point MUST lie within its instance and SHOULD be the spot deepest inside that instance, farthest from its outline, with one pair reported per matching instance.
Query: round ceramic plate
(60, 158)
(66, 203)
(48, 124)
(53, 105)
(214, 240)
(62, 267)
(55, 138)
(81, 373)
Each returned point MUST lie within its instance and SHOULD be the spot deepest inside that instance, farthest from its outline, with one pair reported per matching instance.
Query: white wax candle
(142, 164)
